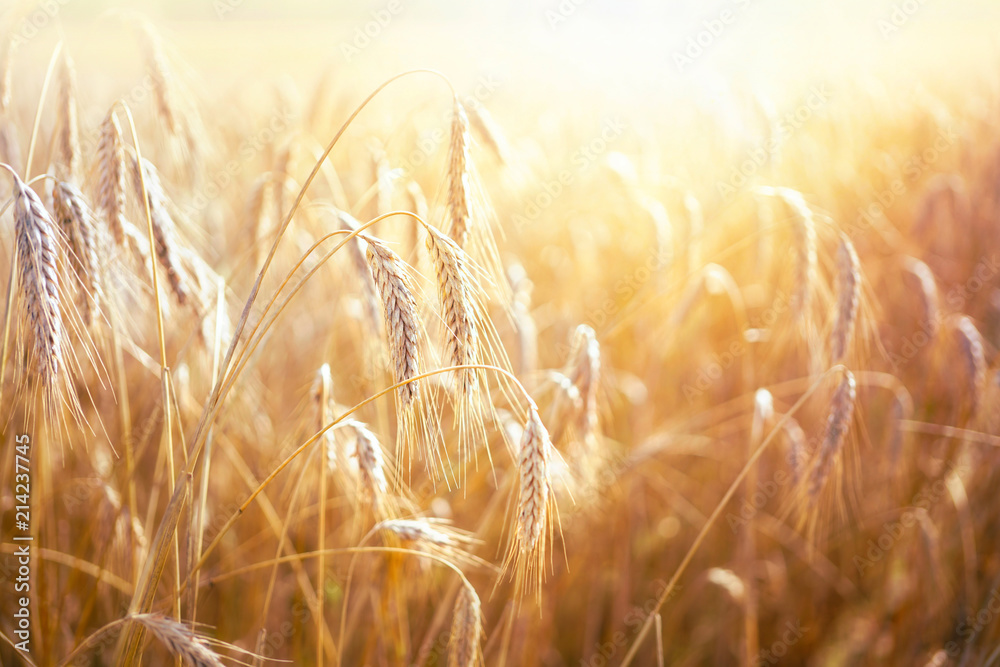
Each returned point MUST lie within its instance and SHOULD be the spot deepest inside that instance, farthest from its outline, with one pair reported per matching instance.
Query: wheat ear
(466, 629)
(458, 176)
(180, 640)
(68, 141)
(38, 278)
(399, 307)
(111, 171)
(77, 223)
(163, 228)
(848, 298)
(837, 424)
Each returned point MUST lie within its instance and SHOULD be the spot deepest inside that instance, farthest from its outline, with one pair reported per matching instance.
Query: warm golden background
(631, 195)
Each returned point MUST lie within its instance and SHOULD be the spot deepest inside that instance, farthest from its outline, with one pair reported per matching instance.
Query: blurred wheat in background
(567, 333)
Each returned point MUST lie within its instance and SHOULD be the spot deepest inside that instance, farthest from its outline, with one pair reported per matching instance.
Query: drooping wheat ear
(371, 463)
(180, 640)
(68, 141)
(163, 227)
(532, 509)
(77, 223)
(38, 278)
(416, 530)
(927, 289)
(399, 307)
(457, 293)
(490, 133)
(848, 298)
(112, 179)
(970, 341)
(161, 75)
(466, 629)
(798, 453)
(837, 425)
(370, 299)
(804, 232)
(458, 176)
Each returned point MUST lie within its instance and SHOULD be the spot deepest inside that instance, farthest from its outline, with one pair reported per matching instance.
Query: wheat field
(555, 334)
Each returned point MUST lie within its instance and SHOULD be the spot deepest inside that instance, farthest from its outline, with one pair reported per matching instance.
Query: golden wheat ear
(466, 629)
(112, 181)
(848, 298)
(38, 282)
(838, 423)
(167, 252)
(67, 144)
(532, 530)
(79, 228)
(180, 640)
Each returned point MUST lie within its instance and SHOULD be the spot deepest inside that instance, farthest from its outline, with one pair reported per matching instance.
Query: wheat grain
(971, 344)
